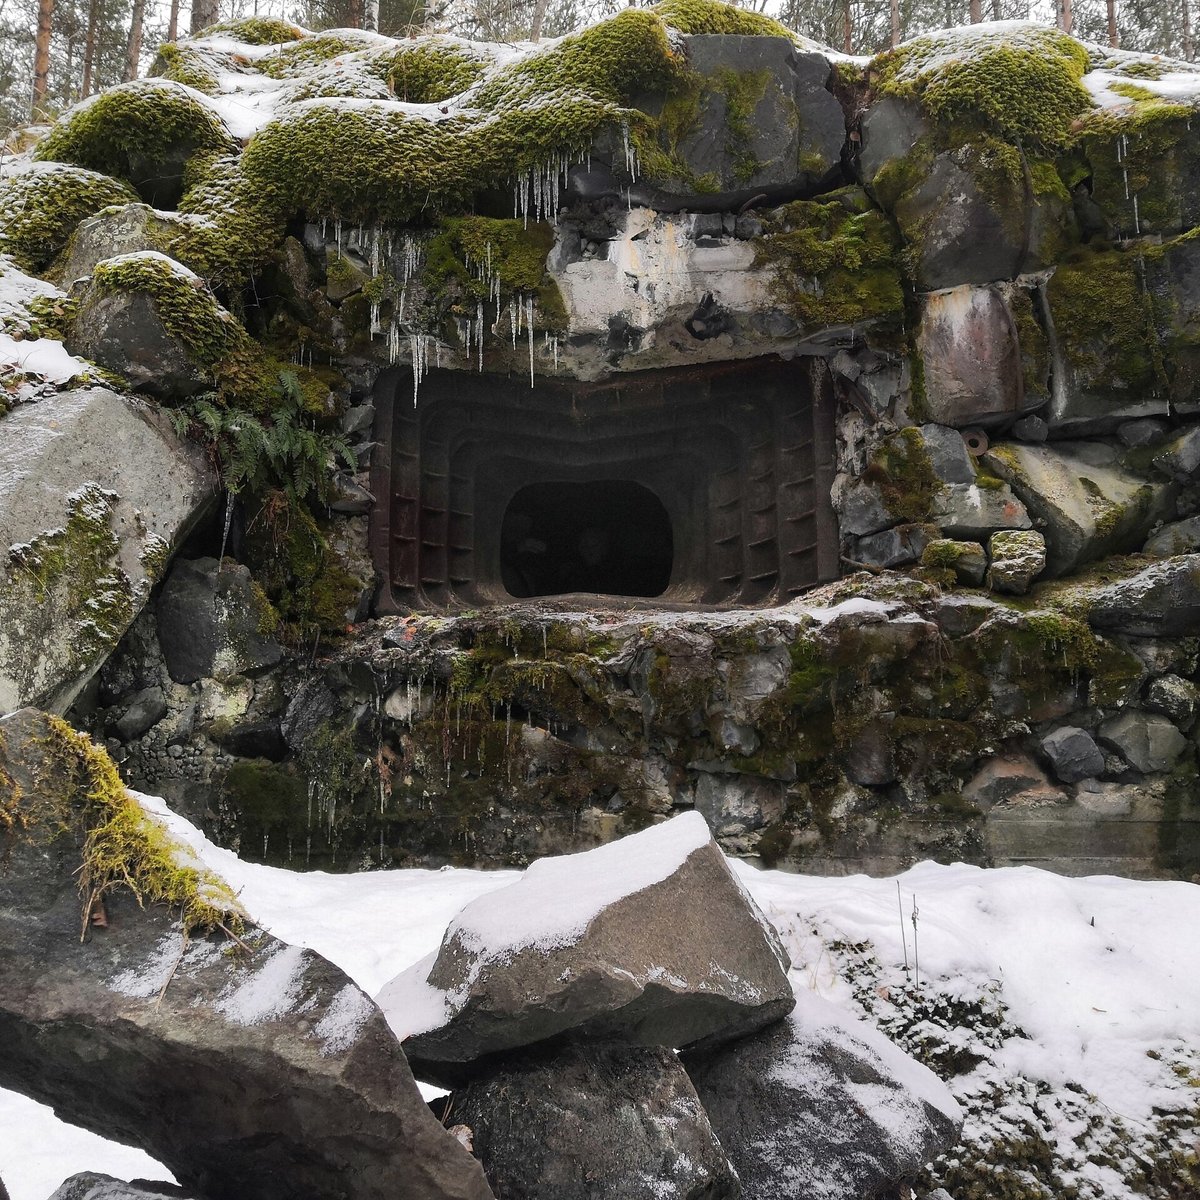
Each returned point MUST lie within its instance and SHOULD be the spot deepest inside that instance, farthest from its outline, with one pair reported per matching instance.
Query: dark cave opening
(609, 536)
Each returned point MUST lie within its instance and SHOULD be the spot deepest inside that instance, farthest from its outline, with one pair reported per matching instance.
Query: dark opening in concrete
(610, 536)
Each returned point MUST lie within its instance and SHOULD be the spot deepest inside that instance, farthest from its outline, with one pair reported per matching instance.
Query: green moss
(468, 255)
(264, 797)
(743, 92)
(832, 266)
(183, 64)
(256, 31)
(40, 208)
(944, 552)
(125, 849)
(298, 56)
(1033, 344)
(902, 174)
(903, 472)
(1026, 86)
(429, 71)
(133, 130)
(713, 16)
(1106, 324)
(189, 313)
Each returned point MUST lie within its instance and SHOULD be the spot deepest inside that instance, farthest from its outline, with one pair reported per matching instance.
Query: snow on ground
(1036, 992)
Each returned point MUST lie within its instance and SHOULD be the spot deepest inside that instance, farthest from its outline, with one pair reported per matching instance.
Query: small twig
(903, 939)
(862, 566)
(916, 952)
(174, 968)
(230, 934)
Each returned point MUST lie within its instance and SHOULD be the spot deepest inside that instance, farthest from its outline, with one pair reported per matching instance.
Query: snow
(1097, 974)
(43, 357)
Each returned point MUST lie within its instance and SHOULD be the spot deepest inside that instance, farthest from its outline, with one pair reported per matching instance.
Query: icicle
(479, 333)
(529, 322)
(225, 530)
(1137, 224)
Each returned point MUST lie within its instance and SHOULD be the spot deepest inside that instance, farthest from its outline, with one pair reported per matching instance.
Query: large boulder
(121, 229)
(649, 940)
(247, 1066)
(96, 491)
(1086, 506)
(765, 122)
(594, 1122)
(824, 1105)
(213, 622)
(971, 356)
(1161, 601)
(91, 1185)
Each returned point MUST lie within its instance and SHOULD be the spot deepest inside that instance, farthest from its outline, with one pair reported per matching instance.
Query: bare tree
(89, 47)
(133, 50)
(539, 19)
(894, 13)
(371, 15)
(976, 11)
(173, 22)
(1113, 39)
(1189, 51)
(204, 14)
(847, 28)
(41, 56)
(1066, 15)
(354, 14)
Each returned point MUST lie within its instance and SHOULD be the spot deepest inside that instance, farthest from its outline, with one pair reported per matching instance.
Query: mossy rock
(256, 31)
(142, 132)
(40, 209)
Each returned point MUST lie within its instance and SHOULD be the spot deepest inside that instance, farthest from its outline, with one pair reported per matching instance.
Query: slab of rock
(649, 940)
(1013, 780)
(95, 492)
(968, 344)
(260, 1072)
(1149, 742)
(1177, 537)
(966, 510)
(1086, 509)
(968, 560)
(1018, 558)
(124, 229)
(1072, 754)
(895, 547)
(212, 622)
(1161, 601)
(598, 1121)
(1175, 697)
(1180, 460)
(142, 711)
(91, 1185)
(823, 1105)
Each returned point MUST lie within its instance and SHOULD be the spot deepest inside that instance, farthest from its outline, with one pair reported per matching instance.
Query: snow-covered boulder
(91, 1185)
(649, 940)
(247, 1066)
(95, 491)
(594, 1122)
(822, 1105)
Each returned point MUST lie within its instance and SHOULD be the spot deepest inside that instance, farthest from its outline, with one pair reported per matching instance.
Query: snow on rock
(648, 940)
(823, 1106)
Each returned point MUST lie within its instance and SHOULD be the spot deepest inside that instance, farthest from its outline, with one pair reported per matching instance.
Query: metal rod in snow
(916, 953)
(903, 939)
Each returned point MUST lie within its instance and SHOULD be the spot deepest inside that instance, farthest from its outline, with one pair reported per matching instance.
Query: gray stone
(124, 332)
(1018, 558)
(1030, 429)
(870, 758)
(1086, 510)
(209, 620)
(141, 712)
(358, 419)
(891, 128)
(1180, 460)
(895, 547)
(1147, 741)
(968, 560)
(184, 1048)
(1175, 697)
(686, 958)
(1177, 537)
(797, 119)
(1012, 780)
(972, 513)
(1161, 601)
(349, 496)
(1072, 753)
(96, 490)
(1145, 431)
(948, 454)
(789, 1106)
(89, 1185)
(126, 229)
(598, 1121)
(967, 341)
(736, 804)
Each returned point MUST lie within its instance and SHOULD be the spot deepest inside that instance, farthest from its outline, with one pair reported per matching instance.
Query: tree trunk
(976, 11)
(996, 10)
(89, 48)
(133, 52)
(204, 14)
(354, 14)
(41, 56)
(1189, 51)
(173, 23)
(1066, 15)
(1113, 40)
(847, 28)
(894, 10)
(539, 19)
(371, 15)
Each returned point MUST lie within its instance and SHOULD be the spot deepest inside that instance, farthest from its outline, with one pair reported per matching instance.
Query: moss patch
(40, 208)
(713, 16)
(903, 472)
(257, 31)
